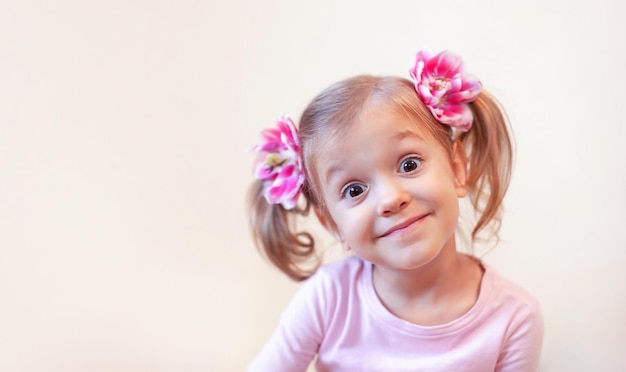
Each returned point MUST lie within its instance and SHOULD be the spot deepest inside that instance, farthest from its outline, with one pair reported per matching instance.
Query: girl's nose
(393, 197)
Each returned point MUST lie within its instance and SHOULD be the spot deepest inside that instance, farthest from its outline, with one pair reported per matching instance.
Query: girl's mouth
(403, 227)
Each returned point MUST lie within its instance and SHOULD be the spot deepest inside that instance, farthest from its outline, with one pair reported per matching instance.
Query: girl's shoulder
(352, 264)
(343, 273)
(332, 286)
(512, 309)
(337, 280)
(503, 289)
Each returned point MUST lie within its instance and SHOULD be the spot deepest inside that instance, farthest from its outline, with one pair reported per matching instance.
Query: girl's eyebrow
(334, 168)
(404, 134)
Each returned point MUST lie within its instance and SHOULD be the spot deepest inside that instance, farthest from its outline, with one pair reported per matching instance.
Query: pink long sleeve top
(337, 316)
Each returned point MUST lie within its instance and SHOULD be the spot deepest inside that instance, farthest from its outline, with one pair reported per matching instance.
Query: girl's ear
(459, 168)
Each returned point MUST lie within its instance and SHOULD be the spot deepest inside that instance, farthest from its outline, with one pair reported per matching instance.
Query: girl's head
(376, 161)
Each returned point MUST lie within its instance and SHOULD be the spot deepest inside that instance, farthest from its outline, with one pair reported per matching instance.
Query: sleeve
(297, 338)
(522, 349)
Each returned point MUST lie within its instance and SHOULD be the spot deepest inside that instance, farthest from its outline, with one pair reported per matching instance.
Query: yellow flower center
(274, 160)
(441, 83)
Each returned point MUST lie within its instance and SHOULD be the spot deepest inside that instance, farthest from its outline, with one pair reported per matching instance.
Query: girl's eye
(410, 165)
(352, 191)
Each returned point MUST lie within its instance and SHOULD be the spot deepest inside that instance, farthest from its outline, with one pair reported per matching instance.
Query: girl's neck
(441, 291)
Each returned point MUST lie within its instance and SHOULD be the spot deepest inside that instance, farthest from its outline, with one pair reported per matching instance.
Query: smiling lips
(403, 227)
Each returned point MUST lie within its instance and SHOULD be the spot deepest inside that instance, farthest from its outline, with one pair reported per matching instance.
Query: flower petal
(445, 64)
(469, 90)
(455, 115)
(263, 171)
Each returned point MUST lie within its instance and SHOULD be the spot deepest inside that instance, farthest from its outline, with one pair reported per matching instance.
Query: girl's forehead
(380, 123)
(370, 131)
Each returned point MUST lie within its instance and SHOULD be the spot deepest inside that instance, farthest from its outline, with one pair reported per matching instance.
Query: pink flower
(444, 88)
(279, 163)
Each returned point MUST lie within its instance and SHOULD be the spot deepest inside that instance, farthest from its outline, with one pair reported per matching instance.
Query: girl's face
(391, 191)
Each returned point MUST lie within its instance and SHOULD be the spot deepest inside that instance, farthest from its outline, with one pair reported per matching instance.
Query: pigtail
(273, 232)
(490, 157)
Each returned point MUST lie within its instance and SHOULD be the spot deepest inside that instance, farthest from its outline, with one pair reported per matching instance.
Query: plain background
(124, 129)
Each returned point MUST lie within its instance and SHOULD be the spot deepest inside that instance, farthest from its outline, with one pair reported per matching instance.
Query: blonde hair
(329, 115)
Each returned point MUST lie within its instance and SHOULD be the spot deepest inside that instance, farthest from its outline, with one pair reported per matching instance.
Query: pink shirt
(337, 315)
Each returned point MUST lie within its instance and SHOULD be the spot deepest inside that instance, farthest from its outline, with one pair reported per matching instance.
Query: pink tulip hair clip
(279, 163)
(443, 86)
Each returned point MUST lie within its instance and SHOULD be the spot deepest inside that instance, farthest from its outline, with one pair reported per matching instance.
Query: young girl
(383, 161)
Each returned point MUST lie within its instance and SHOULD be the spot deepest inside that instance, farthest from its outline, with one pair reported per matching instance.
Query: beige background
(123, 166)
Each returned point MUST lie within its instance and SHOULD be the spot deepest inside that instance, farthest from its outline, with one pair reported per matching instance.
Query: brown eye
(352, 191)
(410, 165)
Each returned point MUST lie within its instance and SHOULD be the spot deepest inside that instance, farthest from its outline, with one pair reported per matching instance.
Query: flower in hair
(279, 164)
(444, 88)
